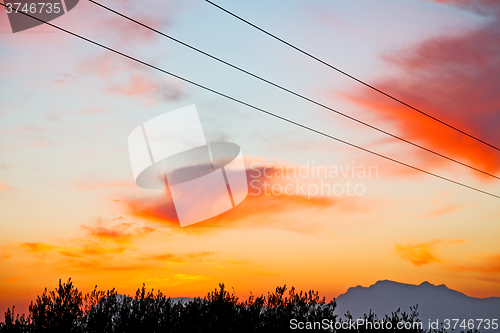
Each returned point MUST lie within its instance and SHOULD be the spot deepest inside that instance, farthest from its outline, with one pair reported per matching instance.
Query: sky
(70, 208)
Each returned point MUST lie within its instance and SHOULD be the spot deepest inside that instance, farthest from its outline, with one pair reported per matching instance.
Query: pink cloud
(454, 78)
(123, 77)
(259, 209)
(4, 187)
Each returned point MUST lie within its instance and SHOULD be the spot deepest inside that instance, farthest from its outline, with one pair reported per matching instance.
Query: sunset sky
(69, 206)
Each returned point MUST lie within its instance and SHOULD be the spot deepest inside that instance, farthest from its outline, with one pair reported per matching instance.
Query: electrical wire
(352, 77)
(291, 91)
(259, 109)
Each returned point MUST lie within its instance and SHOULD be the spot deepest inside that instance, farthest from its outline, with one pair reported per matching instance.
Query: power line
(259, 109)
(290, 91)
(351, 76)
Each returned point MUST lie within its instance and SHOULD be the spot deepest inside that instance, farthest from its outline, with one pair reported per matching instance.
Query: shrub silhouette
(98, 309)
(14, 323)
(55, 311)
(65, 309)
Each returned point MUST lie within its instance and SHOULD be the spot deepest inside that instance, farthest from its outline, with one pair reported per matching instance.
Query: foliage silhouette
(66, 309)
(55, 311)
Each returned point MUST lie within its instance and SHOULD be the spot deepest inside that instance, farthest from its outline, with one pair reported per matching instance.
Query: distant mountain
(174, 300)
(434, 303)
(183, 300)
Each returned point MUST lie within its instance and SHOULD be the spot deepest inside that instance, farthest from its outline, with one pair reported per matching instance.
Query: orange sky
(69, 206)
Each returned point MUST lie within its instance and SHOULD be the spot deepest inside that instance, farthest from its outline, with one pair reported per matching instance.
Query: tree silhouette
(55, 311)
(14, 323)
(66, 310)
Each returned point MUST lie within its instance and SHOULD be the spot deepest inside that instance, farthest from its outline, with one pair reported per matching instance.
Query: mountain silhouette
(434, 303)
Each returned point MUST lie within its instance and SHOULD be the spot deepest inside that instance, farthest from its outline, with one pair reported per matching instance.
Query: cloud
(190, 277)
(453, 77)
(4, 187)
(484, 7)
(258, 209)
(38, 247)
(105, 246)
(25, 136)
(13, 279)
(5, 166)
(162, 209)
(123, 31)
(449, 209)
(123, 77)
(94, 111)
(118, 233)
(154, 208)
(92, 183)
(92, 249)
(467, 2)
(115, 30)
(487, 265)
(118, 76)
(142, 84)
(422, 253)
(180, 258)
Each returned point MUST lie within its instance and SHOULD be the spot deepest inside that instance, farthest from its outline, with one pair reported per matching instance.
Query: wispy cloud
(424, 252)
(111, 245)
(157, 89)
(38, 247)
(485, 7)
(448, 209)
(179, 258)
(118, 233)
(4, 187)
(105, 245)
(26, 136)
(13, 279)
(124, 78)
(93, 183)
(485, 265)
(5, 166)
